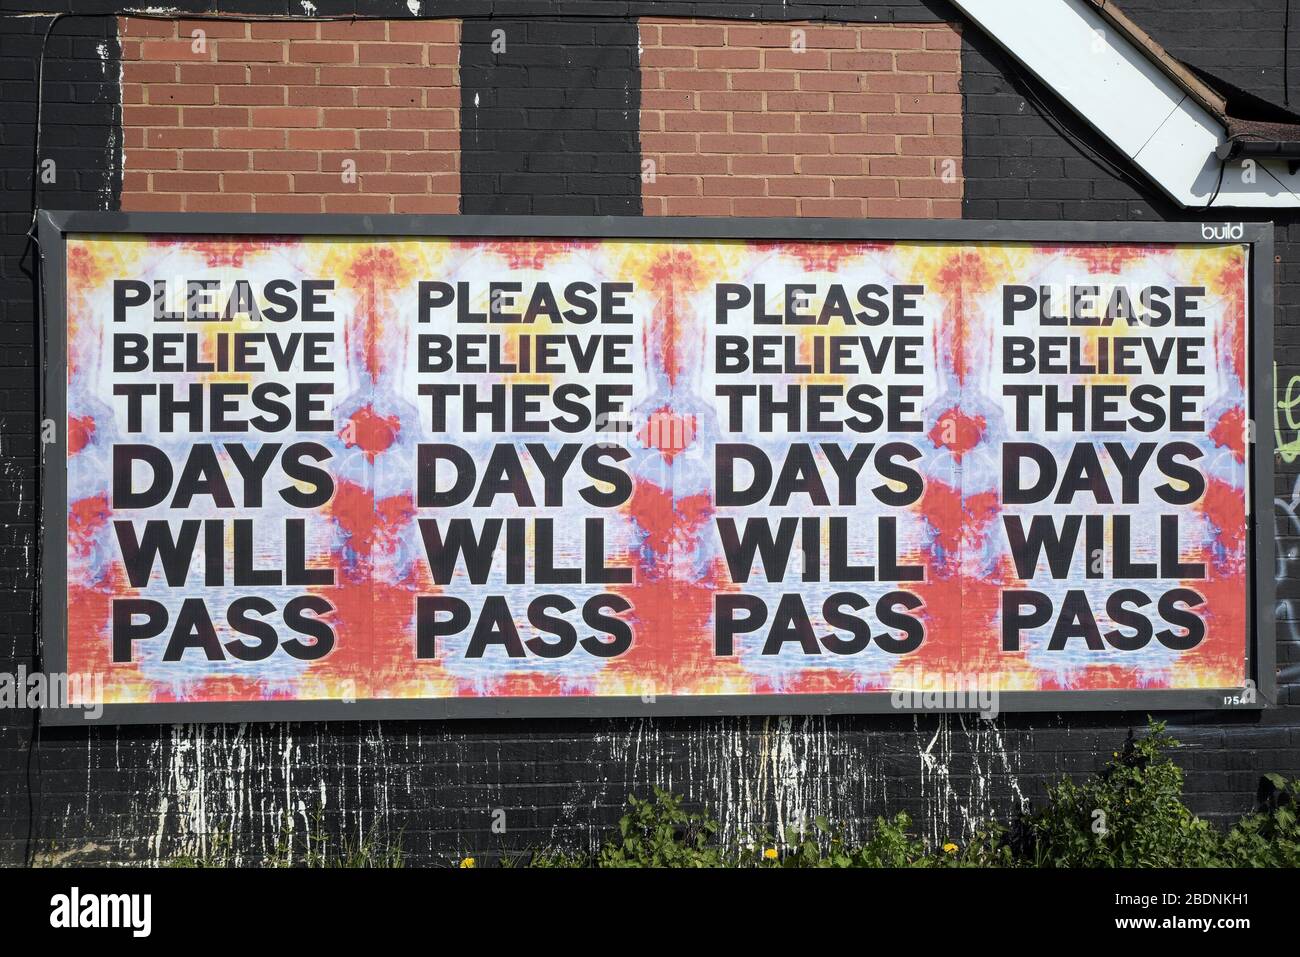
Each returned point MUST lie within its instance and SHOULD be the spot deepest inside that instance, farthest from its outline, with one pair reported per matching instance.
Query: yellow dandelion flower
(467, 862)
(770, 853)
(950, 848)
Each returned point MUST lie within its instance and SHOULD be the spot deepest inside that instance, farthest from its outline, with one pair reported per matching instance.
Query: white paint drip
(114, 152)
(116, 141)
(798, 769)
(955, 813)
(251, 787)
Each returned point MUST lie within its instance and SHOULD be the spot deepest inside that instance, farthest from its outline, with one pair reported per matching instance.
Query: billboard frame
(1261, 639)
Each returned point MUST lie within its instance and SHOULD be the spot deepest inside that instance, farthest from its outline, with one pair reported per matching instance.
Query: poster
(345, 468)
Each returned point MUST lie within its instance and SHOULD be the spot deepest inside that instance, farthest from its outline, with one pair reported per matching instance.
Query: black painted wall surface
(144, 793)
(1241, 42)
(549, 121)
(81, 138)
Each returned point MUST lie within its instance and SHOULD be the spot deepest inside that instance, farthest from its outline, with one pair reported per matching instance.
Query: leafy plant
(216, 850)
(558, 858)
(658, 832)
(1130, 815)
(820, 845)
(890, 845)
(989, 847)
(315, 849)
(1271, 837)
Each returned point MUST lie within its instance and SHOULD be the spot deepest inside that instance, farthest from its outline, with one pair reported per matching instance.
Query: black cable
(36, 137)
(1286, 55)
(35, 786)
(1024, 84)
(1223, 166)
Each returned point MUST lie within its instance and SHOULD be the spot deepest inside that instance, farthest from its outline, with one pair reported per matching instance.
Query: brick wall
(81, 136)
(548, 114)
(800, 119)
(335, 117)
(1240, 41)
(144, 793)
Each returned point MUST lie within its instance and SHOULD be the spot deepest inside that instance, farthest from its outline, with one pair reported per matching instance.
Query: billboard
(344, 467)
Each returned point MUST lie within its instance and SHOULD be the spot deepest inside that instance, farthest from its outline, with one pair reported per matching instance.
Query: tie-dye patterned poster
(359, 469)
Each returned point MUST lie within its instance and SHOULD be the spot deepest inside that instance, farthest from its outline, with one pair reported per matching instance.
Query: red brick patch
(800, 119)
(268, 117)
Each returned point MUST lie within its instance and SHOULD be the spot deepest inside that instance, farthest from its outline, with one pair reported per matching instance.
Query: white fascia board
(1110, 82)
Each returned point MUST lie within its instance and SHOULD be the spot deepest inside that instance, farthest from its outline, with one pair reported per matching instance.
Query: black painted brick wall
(549, 123)
(1241, 41)
(81, 125)
(112, 794)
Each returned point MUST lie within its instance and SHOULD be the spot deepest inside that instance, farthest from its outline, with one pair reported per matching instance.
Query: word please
(209, 300)
(508, 302)
(1095, 306)
(878, 304)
